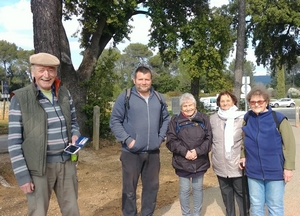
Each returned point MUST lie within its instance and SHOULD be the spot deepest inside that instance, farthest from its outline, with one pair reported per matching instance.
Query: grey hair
(186, 97)
(259, 90)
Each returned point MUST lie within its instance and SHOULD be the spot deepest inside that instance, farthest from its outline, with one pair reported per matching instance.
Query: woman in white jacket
(226, 148)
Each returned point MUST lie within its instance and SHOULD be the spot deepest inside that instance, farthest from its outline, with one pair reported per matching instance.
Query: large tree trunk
(50, 36)
(46, 19)
(238, 70)
(195, 85)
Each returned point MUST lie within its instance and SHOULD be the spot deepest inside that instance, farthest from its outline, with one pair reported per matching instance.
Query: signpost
(5, 89)
(5, 94)
(175, 105)
(245, 89)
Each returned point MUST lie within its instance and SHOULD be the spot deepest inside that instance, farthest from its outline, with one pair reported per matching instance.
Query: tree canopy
(102, 21)
(198, 38)
(274, 27)
(14, 65)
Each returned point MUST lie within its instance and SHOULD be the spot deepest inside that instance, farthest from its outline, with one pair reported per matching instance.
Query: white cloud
(218, 3)
(16, 17)
(16, 24)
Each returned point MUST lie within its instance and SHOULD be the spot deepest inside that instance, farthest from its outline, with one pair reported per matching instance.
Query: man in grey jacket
(141, 127)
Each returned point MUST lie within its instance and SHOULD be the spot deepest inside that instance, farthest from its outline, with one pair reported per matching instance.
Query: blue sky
(16, 27)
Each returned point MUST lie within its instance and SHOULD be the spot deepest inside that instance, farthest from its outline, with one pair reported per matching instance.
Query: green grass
(297, 101)
(3, 126)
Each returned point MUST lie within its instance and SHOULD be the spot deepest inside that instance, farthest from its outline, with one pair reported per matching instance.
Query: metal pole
(297, 116)
(246, 92)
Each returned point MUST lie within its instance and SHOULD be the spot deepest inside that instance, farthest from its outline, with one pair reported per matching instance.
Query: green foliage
(249, 69)
(206, 41)
(274, 26)
(3, 126)
(292, 76)
(164, 82)
(14, 65)
(297, 80)
(280, 83)
(111, 17)
(134, 54)
(174, 23)
(165, 77)
(170, 22)
(100, 91)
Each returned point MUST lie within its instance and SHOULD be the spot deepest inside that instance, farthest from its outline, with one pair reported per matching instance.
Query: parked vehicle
(209, 103)
(284, 102)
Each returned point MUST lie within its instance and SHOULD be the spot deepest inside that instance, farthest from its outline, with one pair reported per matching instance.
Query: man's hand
(74, 139)
(287, 175)
(27, 188)
(131, 144)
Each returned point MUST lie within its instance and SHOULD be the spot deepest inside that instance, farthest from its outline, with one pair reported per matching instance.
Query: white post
(297, 116)
(96, 127)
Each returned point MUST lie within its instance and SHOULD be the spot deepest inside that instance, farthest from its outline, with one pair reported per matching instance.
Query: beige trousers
(62, 178)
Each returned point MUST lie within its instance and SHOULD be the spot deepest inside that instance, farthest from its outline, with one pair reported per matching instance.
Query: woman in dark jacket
(189, 138)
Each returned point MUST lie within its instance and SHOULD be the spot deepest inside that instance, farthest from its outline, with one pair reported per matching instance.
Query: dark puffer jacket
(188, 138)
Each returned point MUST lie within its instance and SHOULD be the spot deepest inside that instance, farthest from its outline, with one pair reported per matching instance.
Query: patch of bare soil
(100, 184)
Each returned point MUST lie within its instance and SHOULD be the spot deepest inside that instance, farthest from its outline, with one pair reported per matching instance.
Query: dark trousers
(133, 165)
(233, 188)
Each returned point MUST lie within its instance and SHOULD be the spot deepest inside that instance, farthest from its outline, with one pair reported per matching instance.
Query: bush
(100, 93)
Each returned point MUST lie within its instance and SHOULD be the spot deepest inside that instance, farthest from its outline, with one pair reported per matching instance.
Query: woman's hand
(287, 175)
(242, 163)
(191, 155)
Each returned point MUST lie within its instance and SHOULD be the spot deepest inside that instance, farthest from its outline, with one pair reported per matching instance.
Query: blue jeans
(184, 195)
(265, 192)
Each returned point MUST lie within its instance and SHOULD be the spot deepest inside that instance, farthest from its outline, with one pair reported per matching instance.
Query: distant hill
(266, 79)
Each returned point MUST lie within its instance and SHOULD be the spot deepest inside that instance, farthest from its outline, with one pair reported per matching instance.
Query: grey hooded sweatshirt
(139, 122)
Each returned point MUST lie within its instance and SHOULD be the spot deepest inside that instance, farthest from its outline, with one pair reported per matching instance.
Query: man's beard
(143, 89)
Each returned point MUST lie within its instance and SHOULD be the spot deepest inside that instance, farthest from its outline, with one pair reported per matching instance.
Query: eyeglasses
(260, 102)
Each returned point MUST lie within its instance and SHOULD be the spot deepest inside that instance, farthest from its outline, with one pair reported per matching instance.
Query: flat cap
(44, 59)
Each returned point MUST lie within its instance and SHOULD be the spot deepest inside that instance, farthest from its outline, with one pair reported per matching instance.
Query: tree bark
(46, 19)
(195, 85)
(50, 36)
(238, 70)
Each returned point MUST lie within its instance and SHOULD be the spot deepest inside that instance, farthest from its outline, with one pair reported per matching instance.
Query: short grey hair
(259, 90)
(186, 97)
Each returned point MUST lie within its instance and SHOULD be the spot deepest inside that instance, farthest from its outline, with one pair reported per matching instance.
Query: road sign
(246, 80)
(245, 89)
(5, 88)
(243, 96)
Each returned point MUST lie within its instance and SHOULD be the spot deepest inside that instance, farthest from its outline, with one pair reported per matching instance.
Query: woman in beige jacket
(226, 148)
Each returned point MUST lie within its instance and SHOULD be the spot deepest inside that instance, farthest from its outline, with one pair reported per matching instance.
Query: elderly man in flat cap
(42, 122)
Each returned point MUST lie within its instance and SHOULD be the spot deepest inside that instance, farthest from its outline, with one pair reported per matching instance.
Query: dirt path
(99, 175)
